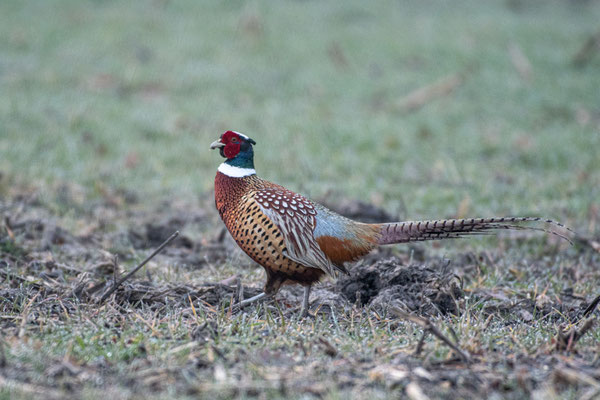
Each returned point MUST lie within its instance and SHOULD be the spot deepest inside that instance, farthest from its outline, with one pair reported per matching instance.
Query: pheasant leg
(304, 310)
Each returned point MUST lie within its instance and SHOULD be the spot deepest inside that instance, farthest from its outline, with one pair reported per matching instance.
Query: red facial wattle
(232, 144)
(231, 149)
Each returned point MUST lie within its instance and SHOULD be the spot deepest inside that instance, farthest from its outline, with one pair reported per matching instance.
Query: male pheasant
(299, 241)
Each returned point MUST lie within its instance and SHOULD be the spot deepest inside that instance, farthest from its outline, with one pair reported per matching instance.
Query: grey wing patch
(295, 216)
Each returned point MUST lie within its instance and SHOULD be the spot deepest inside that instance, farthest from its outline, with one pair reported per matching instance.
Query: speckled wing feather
(295, 216)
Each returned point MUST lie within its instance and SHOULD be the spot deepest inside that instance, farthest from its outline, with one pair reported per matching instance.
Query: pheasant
(298, 241)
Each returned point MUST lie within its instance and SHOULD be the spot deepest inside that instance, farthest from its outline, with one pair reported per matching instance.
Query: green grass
(106, 99)
(131, 95)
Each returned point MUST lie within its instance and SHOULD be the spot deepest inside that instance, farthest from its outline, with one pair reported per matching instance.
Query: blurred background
(428, 109)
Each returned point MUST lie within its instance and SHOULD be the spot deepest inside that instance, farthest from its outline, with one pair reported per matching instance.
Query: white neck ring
(235, 172)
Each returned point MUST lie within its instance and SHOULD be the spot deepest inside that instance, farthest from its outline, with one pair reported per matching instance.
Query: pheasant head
(237, 149)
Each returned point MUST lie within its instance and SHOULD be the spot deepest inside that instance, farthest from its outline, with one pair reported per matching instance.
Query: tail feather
(412, 231)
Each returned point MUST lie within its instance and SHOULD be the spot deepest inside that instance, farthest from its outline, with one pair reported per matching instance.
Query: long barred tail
(412, 231)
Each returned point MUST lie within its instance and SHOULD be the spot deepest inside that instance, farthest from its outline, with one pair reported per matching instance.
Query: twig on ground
(428, 326)
(566, 340)
(115, 265)
(421, 343)
(590, 309)
(232, 280)
(419, 97)
(25, 315)
(133, 271)
(239, 291)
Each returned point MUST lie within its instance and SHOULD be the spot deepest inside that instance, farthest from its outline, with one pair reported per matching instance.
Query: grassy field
(107, 110)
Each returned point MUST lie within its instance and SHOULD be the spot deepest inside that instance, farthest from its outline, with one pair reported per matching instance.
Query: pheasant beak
(217, 144)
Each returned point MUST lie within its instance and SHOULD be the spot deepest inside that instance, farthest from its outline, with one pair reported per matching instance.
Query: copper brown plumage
(240, 203)
(298, 241)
